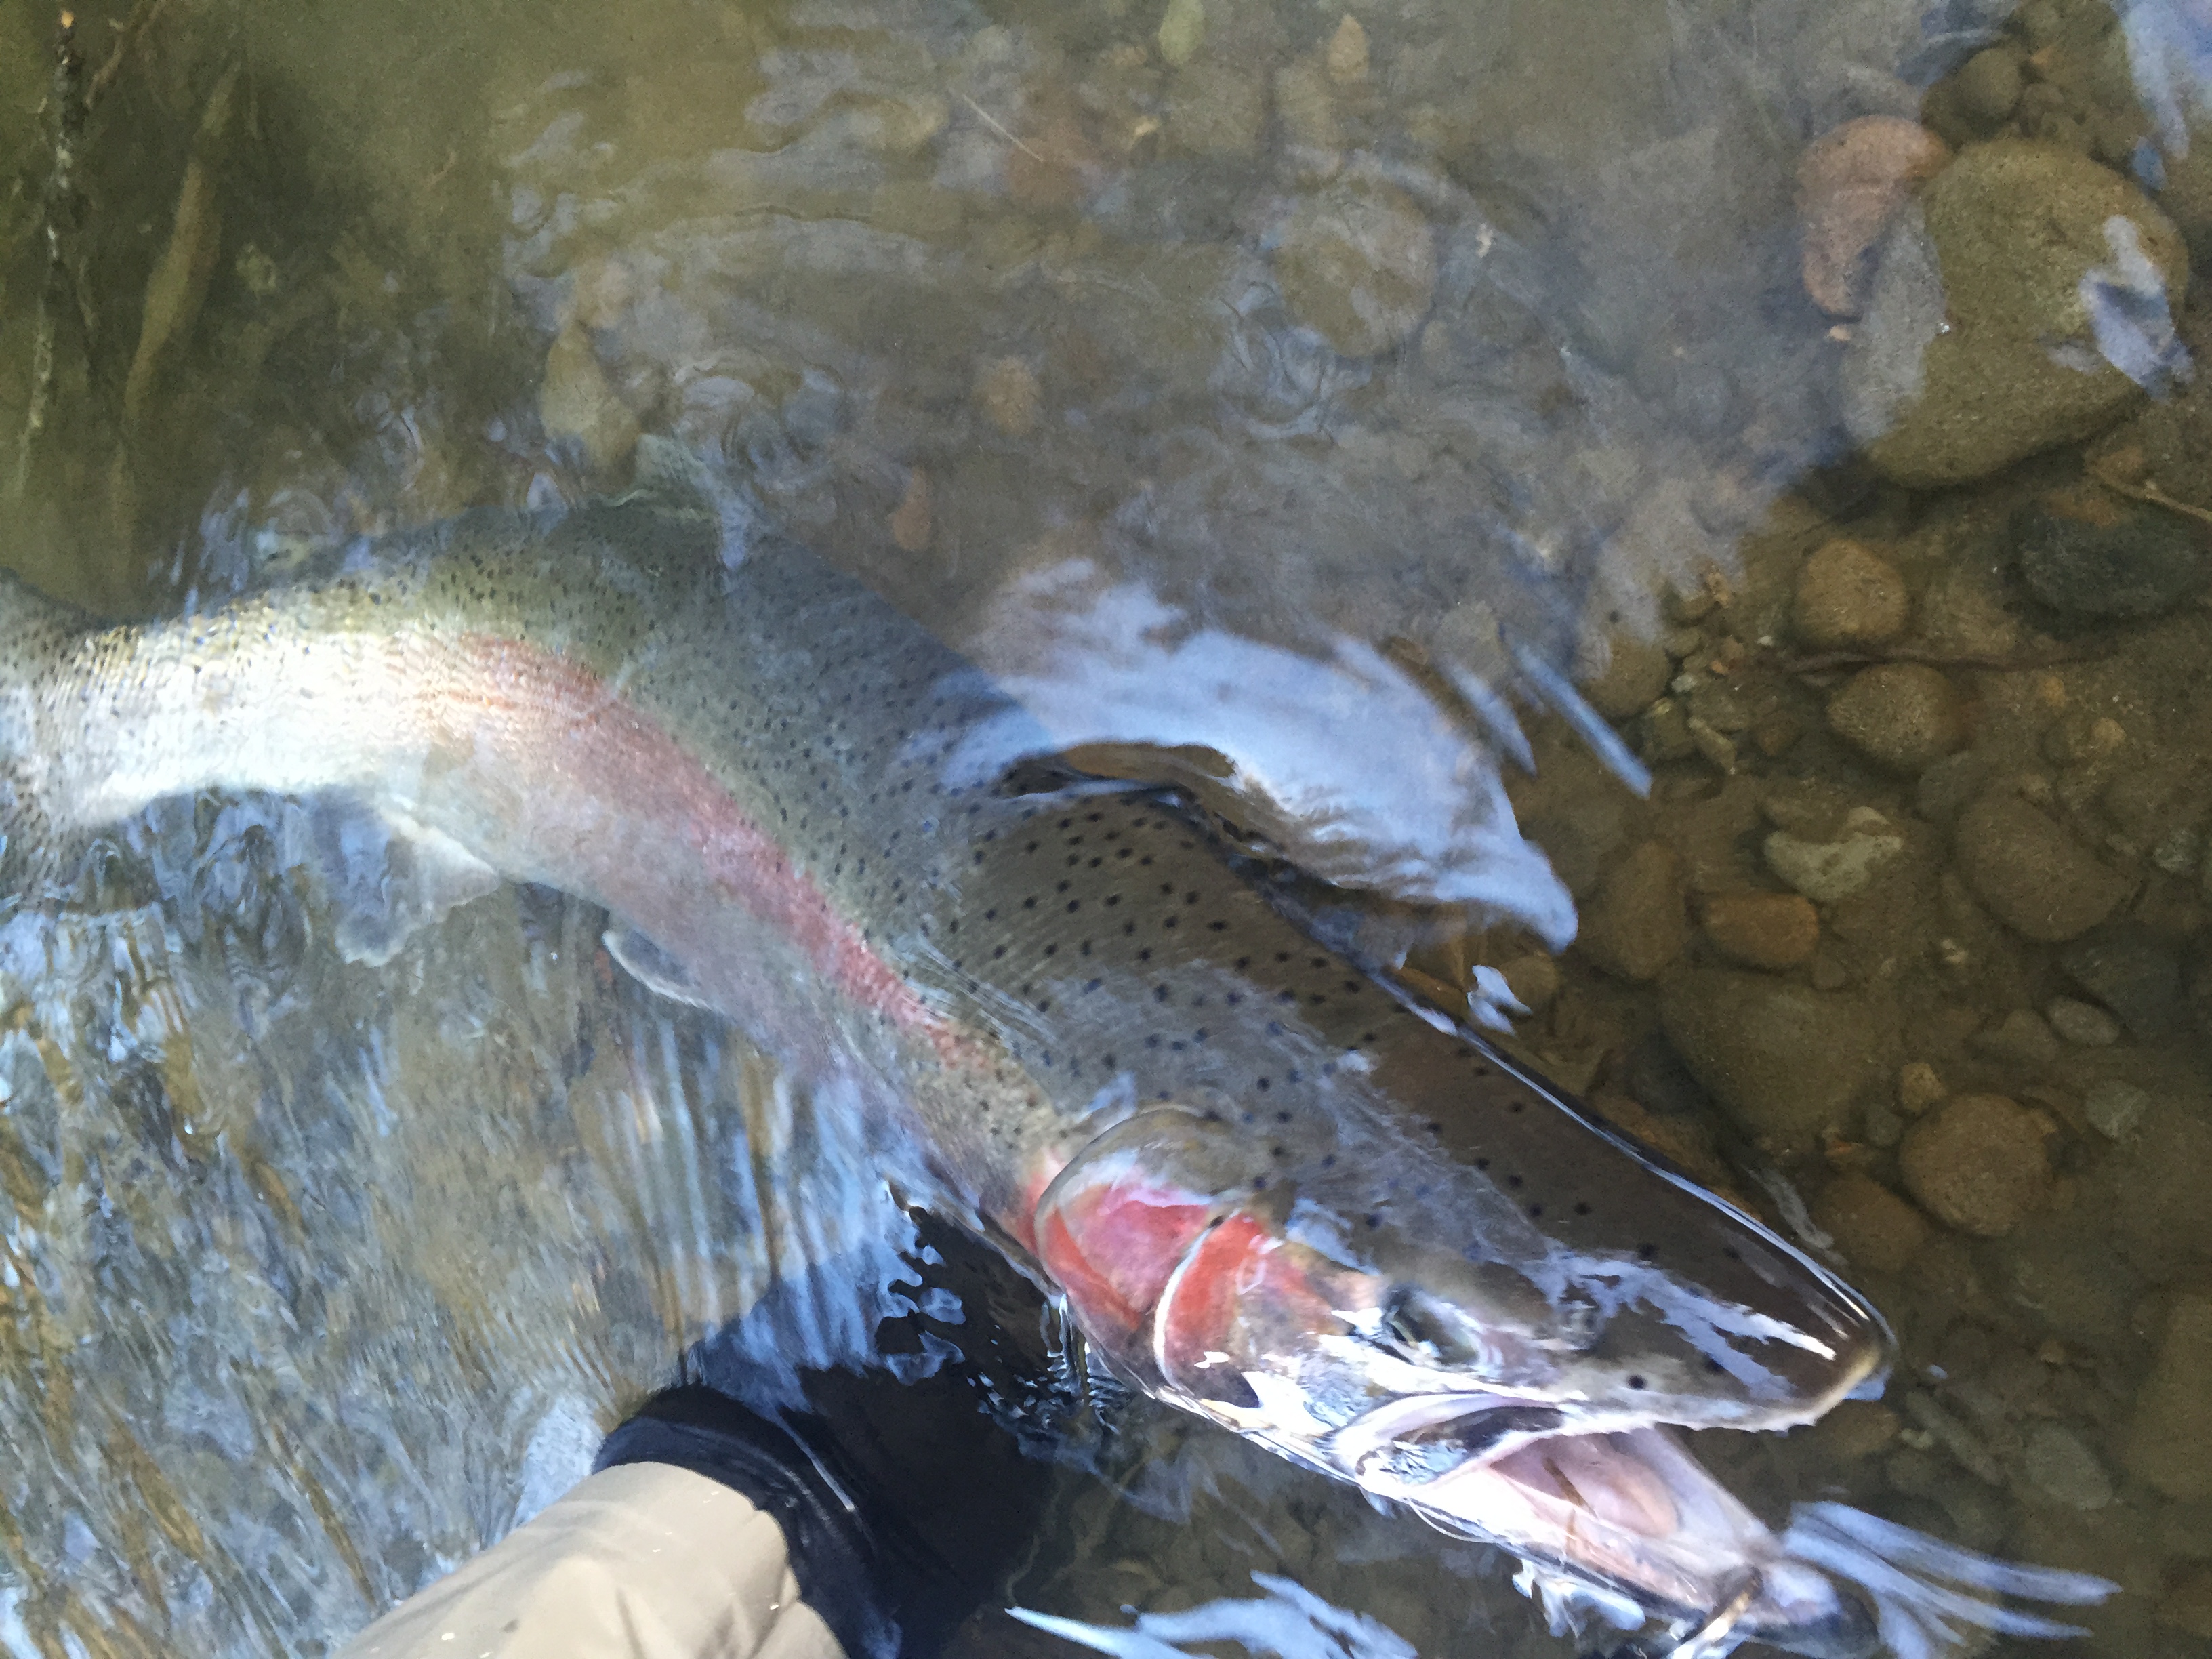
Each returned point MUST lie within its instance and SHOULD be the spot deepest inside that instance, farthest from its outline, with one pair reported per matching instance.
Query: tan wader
(641, 1561)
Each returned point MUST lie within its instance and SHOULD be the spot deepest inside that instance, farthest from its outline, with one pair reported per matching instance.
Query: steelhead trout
(1269, 1189)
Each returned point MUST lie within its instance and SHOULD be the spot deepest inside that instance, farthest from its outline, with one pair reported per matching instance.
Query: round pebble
(1901, 715)
(1871, 1225)
(1637, 922)
(1849, 595)
(1762, 930)
(2080, 1023)
(1785, 1060)
(1636, 675)
(1977, 1162)
(2061, 1469)
(1358, 263)
(1918, 1088)
(2032, 873)
(2114, 1108)
(1851, 182)
(1989, 84)
(2169, 1439)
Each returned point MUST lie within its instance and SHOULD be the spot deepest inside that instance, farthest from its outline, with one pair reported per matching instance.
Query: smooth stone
(1901, 715)
(1762, 930)
(1977, 1162)
(1872, 1226)
(1357, 263)
(2126, 563)
(576, 400)
(1826, 872)
(2034, 875)
(1635, 676)
(2082, 1023)
(2133, 971)
(2057, 1466)
(1785, 1061)
(2021, 1037)
(1847, 596)
(2114, 1108)
(2169, 1438)
(1989, 84)
(1637, 922)
(1976, 348)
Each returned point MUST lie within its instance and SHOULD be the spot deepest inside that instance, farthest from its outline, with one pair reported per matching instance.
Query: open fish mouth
(1625, 1528)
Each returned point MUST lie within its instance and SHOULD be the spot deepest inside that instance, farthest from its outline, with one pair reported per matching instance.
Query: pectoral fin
(389, 876)
(653, 967)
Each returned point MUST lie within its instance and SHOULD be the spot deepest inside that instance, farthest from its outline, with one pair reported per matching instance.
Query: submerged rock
(1637, 924)
(2169, 1443)
(1831, 869)
(1977, 1162)
(1762, 930)
(1358, 263)
(2016, 307)
(1901, 715)
(1872, 1226)
(2135, 972)
(2088, 558)
(1849, 595)
(1785, 1060)
(2034, 875)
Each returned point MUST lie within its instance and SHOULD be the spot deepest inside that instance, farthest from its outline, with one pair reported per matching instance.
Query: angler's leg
(640, 1561)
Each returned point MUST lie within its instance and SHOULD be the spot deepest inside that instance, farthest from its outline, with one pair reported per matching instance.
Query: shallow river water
(1810, 384)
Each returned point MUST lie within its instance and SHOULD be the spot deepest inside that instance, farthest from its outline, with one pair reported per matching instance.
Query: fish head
(1502, 1379)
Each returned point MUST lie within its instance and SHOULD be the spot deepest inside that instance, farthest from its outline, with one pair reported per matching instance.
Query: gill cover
(1244, 1294)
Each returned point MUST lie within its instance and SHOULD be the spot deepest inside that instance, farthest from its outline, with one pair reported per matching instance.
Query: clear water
(314, 1276)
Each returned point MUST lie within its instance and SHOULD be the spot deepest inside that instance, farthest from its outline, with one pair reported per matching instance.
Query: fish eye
(1420, 1331)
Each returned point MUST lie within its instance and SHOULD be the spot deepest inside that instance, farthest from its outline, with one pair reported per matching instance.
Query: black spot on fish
(1647, 1252)
(1635, 1382)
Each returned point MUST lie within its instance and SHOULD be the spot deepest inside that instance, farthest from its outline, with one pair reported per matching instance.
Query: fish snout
(1731, 1327)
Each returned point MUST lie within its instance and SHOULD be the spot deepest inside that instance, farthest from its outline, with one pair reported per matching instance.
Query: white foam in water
(1290, 1622)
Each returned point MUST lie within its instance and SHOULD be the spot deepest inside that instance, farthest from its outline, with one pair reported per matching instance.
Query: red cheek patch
(1246, 1296)
(1112, 1249)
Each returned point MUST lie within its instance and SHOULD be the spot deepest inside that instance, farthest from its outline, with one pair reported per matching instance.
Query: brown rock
(1849, 595)
(1850, 181)
(1872, 1226)
(1856, 1429)
(1358, 263)
(1637, 924)
(2187, 1604)
(1762, 930)
(2033, 875)
(1785, 1060)
(1901, 715)
(1636, 674)
(2169, 1441)
(1977, 1162)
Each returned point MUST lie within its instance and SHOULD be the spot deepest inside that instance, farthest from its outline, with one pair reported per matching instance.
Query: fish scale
(1267, 1187)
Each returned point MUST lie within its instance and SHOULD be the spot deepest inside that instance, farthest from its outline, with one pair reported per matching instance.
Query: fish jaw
(1632, 1516)
(1215, 1297)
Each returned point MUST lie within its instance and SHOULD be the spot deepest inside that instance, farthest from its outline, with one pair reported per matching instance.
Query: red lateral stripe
(562, 717)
